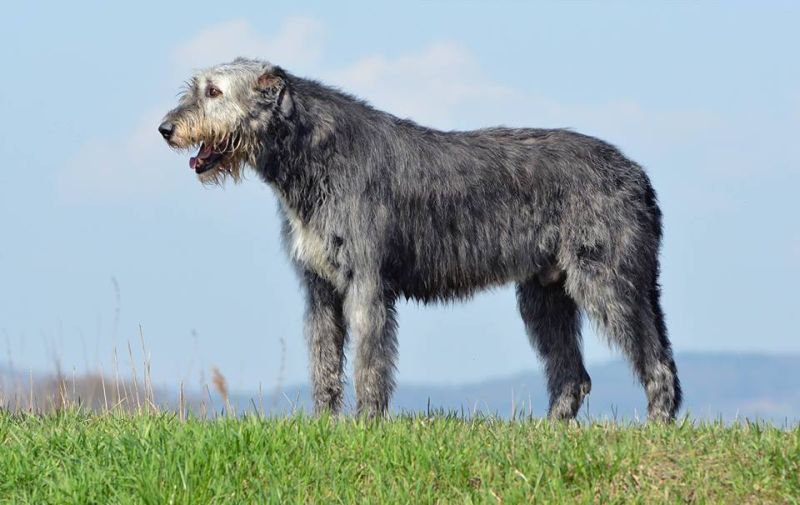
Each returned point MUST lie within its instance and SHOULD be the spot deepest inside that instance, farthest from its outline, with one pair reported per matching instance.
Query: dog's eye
(213, 91)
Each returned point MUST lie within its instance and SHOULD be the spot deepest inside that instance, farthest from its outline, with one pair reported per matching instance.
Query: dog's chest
(307, 247)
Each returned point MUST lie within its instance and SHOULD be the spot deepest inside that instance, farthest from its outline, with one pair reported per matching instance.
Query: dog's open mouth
(208, 157)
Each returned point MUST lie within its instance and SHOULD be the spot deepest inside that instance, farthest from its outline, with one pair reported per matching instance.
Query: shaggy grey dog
(377, 207)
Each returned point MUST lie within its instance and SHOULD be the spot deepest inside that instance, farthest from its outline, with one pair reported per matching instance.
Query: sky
(104, 231)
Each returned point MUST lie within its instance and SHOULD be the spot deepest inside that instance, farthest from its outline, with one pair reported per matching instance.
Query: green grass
(116, 458)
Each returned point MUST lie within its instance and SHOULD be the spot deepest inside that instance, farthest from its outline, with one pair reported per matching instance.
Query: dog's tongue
(205, 152)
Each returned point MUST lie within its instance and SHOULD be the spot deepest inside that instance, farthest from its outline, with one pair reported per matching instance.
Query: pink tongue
(204, 153)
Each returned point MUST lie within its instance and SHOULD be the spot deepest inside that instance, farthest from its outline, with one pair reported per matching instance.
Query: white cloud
(297, 43)
(429, 86)
(444, 86)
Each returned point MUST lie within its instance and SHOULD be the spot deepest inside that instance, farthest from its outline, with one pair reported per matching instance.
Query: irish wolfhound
(376, 207)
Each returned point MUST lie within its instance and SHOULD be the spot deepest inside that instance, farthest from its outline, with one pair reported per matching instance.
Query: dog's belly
(442, 271)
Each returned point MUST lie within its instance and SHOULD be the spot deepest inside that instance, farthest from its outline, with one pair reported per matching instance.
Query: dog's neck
(297, 161)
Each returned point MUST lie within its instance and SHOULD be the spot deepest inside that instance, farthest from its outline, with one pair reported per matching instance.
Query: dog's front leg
(326, 334)
(370, 314)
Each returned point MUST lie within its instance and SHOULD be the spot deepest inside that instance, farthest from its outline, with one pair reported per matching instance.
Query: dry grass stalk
(149, 394)
(279, 382)
(135, 383)
(181, 404)
(120, 401)
(221, 385)
(103, 383)
(31, 407)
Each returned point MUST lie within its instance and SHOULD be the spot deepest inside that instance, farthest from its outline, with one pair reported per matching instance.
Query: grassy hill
(121, 458)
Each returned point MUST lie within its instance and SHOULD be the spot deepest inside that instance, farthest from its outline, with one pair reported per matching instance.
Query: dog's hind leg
(625, 306)
(552, 321)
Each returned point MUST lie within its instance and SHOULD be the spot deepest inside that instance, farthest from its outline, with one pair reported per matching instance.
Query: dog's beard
(232, 169)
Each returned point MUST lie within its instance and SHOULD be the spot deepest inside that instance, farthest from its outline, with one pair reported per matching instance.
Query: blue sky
(705, 96)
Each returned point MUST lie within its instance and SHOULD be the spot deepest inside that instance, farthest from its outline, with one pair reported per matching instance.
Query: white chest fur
(307, 247)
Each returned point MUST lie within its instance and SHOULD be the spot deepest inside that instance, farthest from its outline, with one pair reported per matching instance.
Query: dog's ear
(270, 83)
(274, 85)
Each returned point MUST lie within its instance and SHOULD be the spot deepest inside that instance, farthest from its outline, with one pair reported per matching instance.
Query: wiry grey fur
(377, 207)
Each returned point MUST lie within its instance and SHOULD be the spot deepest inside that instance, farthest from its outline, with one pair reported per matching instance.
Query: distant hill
(716, 386)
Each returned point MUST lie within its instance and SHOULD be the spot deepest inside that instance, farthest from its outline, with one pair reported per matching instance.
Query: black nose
(166, 128)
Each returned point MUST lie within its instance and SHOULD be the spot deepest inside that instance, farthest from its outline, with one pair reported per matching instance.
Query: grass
(71, 457)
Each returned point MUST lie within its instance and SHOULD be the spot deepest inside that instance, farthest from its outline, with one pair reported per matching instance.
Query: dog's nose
(166, 128)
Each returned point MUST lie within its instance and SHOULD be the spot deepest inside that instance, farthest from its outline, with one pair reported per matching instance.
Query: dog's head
(226, 112)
